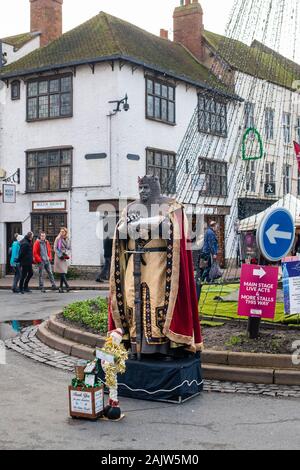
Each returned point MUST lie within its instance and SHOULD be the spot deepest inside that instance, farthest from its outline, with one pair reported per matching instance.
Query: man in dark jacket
(209, 251)
(105, 273)
(26, 261)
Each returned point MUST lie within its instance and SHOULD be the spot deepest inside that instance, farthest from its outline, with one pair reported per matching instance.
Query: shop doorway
(49, 223)
(11, 229)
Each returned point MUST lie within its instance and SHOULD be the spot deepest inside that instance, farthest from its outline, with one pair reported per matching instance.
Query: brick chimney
(188, 26)
(46, 17)
(164, 34)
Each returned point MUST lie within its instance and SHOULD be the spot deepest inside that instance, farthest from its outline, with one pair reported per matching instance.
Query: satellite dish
(2, 173)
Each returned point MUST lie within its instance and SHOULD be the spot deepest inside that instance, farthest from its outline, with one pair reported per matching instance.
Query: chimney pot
(164, 34)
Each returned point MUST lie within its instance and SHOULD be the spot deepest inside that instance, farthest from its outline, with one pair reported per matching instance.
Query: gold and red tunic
(170, 317)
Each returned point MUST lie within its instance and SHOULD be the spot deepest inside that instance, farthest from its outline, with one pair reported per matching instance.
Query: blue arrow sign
(276, 234)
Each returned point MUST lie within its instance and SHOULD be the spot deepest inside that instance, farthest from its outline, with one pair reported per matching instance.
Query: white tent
(289, 202)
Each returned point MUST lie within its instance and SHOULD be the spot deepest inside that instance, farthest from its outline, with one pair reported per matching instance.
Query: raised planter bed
(217, 365)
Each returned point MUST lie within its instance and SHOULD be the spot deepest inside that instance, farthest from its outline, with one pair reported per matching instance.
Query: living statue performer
(153, 294)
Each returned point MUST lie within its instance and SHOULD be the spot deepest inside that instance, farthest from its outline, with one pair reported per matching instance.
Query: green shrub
(89, 313)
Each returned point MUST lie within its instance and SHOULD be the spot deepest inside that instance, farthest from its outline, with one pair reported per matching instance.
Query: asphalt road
(34, 415)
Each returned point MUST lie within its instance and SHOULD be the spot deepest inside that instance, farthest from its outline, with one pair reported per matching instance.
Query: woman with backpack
(14, 255)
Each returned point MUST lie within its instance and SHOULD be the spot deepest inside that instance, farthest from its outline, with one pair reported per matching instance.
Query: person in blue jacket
(15, 251)
(209, 252)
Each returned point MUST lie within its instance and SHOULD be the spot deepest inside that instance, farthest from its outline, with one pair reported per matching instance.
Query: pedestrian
(15, 252)
(209, 252)
(105, 273)
(26, 260)
(42, 256)
(62, 248)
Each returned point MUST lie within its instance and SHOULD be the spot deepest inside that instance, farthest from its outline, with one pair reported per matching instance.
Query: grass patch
(234, 341)
(212, 324)
(214, 308)
(89, 313)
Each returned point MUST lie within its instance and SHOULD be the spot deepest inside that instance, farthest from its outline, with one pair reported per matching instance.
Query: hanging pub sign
(270, 189)
(254, 140)
(9, 193)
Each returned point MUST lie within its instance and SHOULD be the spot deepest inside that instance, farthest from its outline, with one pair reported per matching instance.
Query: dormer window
(15, 90)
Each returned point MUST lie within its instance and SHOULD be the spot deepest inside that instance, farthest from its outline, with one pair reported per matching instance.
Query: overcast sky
(148, 14)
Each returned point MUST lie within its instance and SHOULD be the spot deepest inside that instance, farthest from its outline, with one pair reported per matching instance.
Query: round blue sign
(276, 234)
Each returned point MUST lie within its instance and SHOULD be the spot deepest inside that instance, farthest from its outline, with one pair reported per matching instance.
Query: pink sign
(258, 291)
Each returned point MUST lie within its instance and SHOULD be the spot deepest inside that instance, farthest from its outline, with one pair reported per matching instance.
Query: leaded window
(287, 179)
(212, 179)
(160, 103)
(15, 90)
(269, 123)
(49, 170)
(287, 128)
(49, 98)
(163, 165)
(249, 115)
(212, 115)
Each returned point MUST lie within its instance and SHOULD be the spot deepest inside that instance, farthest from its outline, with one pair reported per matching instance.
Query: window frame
(60, 166)
(210, 176)
(48, 94)
(287, 178)
(297, 128)
(161, 82)
(208, 113)
(14, 83)
(162, 167)
(249, 114)
(270, 173)
(251, 176)
(287, 127)
(269, 129)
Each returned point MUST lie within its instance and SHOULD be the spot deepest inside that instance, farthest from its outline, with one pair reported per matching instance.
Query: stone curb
(217, 365)
(73, 288)
(259, 360)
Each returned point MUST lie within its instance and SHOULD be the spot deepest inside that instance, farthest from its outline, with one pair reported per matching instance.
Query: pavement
(34, 415)
(79, 284)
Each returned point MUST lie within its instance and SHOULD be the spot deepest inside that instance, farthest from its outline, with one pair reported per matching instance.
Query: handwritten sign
(81, 402)
(103, 356)
(90, 380)
(99, 401)
(258, 291)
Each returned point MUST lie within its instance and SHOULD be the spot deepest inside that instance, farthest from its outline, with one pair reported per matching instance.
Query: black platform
(155, 380)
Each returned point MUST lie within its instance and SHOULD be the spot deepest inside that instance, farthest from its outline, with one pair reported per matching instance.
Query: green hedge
(89, 313)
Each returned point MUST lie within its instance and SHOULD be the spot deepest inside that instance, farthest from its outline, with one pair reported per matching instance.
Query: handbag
(215, 271)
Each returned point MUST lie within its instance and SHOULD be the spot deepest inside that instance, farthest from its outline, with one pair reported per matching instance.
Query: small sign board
(103, 356)
(9, 192)
(270, 189)
(49, 206)
(86, 403)
(291, 286)
(258, 291)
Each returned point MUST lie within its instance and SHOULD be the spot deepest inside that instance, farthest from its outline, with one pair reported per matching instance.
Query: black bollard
(253, 327)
